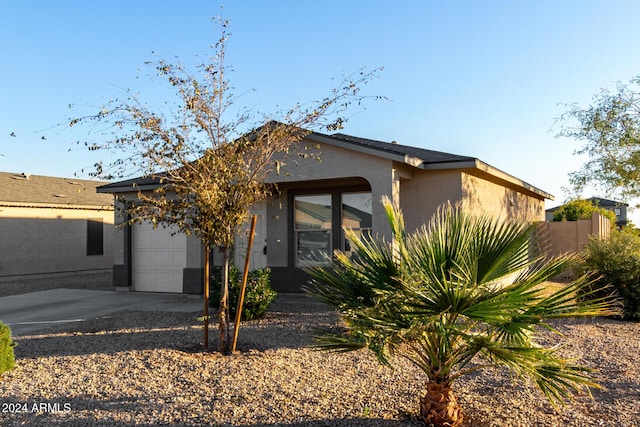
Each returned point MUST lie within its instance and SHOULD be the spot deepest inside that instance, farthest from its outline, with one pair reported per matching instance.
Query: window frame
(367, 232)
(337, 234)
(320, 230)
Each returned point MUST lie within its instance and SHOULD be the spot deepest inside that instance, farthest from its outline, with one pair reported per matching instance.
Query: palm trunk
(223, 311)
(439, 406)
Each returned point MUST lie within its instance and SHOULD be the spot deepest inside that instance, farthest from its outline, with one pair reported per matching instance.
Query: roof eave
(326, 139)
(38, 205)
(425, 165)
(487, 168)
(130, 188)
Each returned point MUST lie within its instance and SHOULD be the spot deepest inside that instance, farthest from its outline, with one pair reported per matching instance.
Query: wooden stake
(207, 256)
(245, 275)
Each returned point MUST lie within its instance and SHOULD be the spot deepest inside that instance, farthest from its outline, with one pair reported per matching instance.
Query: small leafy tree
(581, 209)
(610, 131)
(210, 169)
(617, 262)
(460, 289)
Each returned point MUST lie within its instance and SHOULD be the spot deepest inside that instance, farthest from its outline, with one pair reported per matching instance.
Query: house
(619, 208)
(53, 225)
(302, 225)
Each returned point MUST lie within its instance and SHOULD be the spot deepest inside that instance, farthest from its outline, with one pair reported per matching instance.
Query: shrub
(7, 358)
(581, 209)
(617, 261)
(257, 297)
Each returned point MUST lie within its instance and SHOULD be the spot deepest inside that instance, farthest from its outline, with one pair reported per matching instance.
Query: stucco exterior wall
(333, 164)
(41, 240)
(335, 167)
(425, 192)
(484, 196)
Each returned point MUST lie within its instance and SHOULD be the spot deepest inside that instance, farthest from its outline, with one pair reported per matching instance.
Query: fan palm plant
(461, 288)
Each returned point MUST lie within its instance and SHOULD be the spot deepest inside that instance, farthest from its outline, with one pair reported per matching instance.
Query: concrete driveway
(33, 311)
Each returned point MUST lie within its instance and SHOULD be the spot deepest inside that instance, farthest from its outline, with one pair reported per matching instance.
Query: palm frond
(565, 303)
(460, 287)
(556, 377)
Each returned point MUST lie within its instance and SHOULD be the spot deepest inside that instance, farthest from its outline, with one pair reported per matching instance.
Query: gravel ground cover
(145, 369)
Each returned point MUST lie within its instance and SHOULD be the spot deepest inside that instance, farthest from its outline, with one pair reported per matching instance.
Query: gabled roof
(18, 189)
(413, 156)
(422, 158)
(419, 154)
(133, 184)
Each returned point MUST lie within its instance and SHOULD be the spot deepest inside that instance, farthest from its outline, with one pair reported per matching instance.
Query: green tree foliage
(617, 262)
(210, 159)
(7, 358)
(610, 131)
(460, 294)
(581, 209)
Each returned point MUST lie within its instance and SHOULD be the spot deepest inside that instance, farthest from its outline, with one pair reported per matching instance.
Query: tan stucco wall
(419, 193)
(327, 163)
(333, 167)
(50, 240)
(421, 196)
(484, 196)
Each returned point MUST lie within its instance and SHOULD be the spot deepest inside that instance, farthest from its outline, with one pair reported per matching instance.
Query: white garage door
(158, 258)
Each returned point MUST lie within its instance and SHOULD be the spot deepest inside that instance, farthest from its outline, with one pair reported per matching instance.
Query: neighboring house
(303, 224)
(619, 208)
(53, 225)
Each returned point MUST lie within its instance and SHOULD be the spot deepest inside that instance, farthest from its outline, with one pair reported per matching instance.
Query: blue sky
(477, 78)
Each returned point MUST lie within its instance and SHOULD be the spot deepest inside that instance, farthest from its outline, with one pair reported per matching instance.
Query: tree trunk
(223, 310)
(439, 406)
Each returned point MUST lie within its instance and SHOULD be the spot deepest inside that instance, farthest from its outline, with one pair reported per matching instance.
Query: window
(356, 214)
(318, 222)
(313, 229)
(94, 236)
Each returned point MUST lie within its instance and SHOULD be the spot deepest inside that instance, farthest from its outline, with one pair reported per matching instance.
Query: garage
(159, 258)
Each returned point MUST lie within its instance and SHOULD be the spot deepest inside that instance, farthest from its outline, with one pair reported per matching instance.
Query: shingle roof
(133, 184)
(36, 190)
(427, 156)
(417, 157)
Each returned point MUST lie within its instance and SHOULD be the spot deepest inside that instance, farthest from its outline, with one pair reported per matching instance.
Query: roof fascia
(402, 158)
(512, 179)
(129, 188)
(487, 168)
(106, 207)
